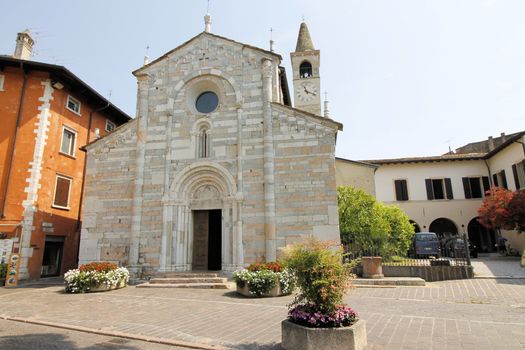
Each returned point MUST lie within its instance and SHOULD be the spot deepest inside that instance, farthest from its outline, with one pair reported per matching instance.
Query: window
(110, 126)
(305, 70)
(68, 141)
(500, 179)
(73, 105)
(439, 188)
(203, 143)
(518, 171)
(2, 79)
(207, 102)
(62, 190)
(475, 187)
(401, 190)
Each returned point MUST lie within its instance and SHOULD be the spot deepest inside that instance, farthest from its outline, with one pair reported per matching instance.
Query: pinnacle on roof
(304, 41)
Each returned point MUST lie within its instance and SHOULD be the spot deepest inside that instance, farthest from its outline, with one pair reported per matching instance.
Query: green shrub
(3, 272)
(321, 275)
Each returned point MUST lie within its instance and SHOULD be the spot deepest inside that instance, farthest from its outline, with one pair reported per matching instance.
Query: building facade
(47, 114)
(217, 170)
(442, 194)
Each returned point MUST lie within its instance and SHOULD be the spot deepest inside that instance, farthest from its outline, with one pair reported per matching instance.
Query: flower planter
(372, 267)
(274, 292)
(297, 337)
(104, 287)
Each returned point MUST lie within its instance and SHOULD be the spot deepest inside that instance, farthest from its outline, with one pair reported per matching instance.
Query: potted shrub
(317, 318)
(96, 277)
(264, 280)
(3, 273)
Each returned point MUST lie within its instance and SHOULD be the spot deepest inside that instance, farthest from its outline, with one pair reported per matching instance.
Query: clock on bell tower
(305, 67)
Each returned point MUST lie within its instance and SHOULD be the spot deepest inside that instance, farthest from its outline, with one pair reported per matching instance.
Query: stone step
(185, 275)
(187, 285)
(186, 280)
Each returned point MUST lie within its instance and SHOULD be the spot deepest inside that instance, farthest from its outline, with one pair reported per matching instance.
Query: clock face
(306, 92)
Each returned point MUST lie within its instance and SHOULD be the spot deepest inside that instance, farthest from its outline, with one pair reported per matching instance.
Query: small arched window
(305, 70)
(203, 144)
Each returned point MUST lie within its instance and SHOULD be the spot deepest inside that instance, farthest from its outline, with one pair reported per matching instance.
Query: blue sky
(405, 77)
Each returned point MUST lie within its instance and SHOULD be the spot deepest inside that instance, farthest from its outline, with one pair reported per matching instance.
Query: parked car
(456, 247)
(425, 245)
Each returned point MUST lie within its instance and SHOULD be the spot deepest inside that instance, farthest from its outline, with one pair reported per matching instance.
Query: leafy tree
(504, 209)
(401, 230)
(371, 225)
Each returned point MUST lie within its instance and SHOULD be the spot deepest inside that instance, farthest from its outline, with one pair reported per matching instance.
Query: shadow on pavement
(258, 346)
(54, 341)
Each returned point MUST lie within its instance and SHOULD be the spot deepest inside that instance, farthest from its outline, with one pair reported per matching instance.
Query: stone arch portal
(202, 226)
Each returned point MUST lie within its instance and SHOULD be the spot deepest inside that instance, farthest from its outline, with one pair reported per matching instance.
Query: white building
(443, 193)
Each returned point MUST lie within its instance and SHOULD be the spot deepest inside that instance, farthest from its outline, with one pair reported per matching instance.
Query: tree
(372, 226)
(504, 209)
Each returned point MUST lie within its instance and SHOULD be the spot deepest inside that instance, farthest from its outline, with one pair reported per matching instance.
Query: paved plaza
(486, 313)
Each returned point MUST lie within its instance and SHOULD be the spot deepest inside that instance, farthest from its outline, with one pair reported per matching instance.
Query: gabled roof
(71, 81)
(322, 120)
(137, 71)
(452, 156)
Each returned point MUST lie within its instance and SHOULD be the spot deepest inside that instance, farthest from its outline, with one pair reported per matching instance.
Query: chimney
(24, 45)
(503, 137)
(491, 143)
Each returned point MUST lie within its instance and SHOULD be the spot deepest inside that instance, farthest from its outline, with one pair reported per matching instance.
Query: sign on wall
(6, 247)
(12, 270)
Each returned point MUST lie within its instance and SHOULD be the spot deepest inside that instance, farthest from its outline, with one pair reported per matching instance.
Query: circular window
(207, 102)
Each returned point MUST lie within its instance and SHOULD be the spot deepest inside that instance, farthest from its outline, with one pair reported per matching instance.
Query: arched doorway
(416, 226)
(444, 228)
(483, 238)
(201, 221)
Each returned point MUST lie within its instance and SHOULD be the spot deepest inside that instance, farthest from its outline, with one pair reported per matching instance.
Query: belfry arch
(201, 204)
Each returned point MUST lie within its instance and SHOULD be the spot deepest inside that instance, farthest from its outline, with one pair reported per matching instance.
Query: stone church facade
(217, 170)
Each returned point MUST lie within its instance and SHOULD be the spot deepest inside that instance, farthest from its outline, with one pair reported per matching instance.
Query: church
(217, 170)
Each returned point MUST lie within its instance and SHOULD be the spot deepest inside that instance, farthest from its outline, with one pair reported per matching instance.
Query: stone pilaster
(142, 115)
(269, 181)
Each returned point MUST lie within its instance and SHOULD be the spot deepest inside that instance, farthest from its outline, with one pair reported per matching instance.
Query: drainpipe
(11, 157)
(88, 138)
(490, 174)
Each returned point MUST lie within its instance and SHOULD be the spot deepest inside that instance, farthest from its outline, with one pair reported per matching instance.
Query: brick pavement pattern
(463, 314)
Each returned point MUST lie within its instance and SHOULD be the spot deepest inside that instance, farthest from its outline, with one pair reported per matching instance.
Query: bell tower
(305, 66)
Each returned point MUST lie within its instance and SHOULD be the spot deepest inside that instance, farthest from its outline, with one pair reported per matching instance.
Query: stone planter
(372, 267)
(274, 292)
(105, 287)
(297, 337)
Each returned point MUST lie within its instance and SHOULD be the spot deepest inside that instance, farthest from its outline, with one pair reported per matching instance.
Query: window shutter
(448, 188)
(62, 192)
(516, 178)
(495, 178)
(504, 180)
(405, 189)
(399, 190)
(466, 187)
(486, 183)
(430, 193)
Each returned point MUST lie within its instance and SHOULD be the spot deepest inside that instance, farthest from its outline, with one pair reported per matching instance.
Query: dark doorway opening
(207, 240)
(444, 228)
(483, 238)
(52, 261)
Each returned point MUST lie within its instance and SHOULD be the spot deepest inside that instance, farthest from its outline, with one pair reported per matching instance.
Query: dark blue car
(426, 244)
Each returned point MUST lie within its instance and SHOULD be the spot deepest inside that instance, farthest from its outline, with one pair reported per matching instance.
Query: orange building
(46, 114)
